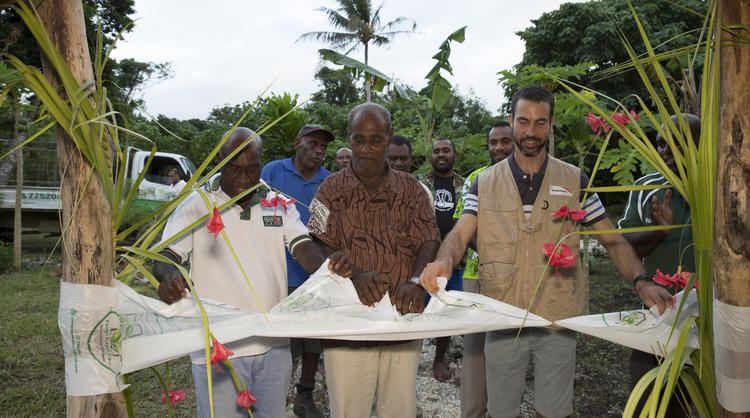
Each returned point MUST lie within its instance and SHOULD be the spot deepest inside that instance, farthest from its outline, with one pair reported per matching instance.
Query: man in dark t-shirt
(444, 184)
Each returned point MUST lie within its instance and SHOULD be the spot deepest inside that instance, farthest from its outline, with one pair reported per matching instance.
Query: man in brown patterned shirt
(382, 221)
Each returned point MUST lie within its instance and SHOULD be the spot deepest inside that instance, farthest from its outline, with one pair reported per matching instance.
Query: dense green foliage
(588, 32)
(572, 42)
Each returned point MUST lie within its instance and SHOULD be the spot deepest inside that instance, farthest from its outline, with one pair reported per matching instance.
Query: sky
(230, 51)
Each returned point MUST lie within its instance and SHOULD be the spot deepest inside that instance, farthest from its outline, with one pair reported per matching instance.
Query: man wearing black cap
(299, 177)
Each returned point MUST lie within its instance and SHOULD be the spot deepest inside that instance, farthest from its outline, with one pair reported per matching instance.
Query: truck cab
(40, 197)
(156, 184)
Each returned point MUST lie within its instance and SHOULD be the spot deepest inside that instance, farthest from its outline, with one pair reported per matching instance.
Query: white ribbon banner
(108, 331)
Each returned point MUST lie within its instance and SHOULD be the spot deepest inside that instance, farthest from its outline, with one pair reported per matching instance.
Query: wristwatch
(642, 276)
(415, 280)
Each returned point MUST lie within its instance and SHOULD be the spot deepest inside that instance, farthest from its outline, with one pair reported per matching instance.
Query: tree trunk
(17, 224)
(88, 248)
(551, 141)
(367, 77)
(732, 224)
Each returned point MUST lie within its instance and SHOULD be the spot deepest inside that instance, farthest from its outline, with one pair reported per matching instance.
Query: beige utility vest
(511, 260)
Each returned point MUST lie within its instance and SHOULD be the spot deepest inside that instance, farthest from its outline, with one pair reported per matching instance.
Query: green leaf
(341, 59)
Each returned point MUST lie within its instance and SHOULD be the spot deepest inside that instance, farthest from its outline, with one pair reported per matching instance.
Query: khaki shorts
(554, 355)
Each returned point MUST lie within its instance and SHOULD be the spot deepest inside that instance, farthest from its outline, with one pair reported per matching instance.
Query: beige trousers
(356, 376)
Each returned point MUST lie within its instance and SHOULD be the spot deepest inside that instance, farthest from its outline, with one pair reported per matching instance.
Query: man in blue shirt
(299, 177)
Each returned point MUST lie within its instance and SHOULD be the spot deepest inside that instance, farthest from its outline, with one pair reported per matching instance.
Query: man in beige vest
(510, 207)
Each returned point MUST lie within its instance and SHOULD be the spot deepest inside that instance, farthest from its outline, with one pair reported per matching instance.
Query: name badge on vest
(560, 191)
(273, 221)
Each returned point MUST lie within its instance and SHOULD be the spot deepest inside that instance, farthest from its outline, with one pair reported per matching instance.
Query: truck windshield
(189, 165)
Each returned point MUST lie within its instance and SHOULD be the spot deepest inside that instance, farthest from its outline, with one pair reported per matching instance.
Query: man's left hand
(339, 264)
(409, 298)
(652, 294)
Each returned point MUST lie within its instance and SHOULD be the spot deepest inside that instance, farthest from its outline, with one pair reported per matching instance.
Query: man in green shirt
(473, 386)
(667, 250)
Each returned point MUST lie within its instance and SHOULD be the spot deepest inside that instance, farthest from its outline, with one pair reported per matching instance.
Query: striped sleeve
(592, 205)
(471, 201)
(465, 191)
(295, 232)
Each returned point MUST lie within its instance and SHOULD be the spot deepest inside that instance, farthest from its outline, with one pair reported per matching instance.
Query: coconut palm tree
(359, 25)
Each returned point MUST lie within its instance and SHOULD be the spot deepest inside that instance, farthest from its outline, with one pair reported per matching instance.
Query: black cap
(312, 127)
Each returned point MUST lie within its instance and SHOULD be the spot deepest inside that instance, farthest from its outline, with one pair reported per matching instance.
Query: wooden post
(17, 221)
(88, 246)
(732, 225)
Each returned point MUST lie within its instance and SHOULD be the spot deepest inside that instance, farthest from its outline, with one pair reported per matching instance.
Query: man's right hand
(172, 287)
(428, 278)
(652, 294)
(661, 214)
(370, 287)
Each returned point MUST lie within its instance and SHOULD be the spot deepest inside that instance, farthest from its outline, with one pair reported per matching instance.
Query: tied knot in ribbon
(277, 201)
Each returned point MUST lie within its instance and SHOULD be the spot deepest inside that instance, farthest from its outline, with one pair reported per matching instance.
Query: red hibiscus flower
(597, 123)
(622, 118)
(219, 353)
(245, 399)
(575, 215)
(174, 397)
(682, 279)
(563, 257)
(215, 225)
(663, 279)
(679, 279)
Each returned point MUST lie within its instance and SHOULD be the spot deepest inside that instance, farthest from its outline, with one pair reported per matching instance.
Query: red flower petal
(593, 121)
(682, 278)
(548, 247)
(219, 353)
(177, 395)
(564, 211)
(561, 213)
(245, 399)
(622, 118)
(577, 215)
(563, 257)
(215, 225)
(276, 201)
(567, 258)
(268, 203)
(174, 396)
(663, 279)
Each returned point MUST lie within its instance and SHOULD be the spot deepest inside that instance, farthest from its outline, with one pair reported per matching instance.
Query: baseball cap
(312, 127)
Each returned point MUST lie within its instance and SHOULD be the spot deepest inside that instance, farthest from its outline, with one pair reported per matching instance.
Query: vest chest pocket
(497, 231)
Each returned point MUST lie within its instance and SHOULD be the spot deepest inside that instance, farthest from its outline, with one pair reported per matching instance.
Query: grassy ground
(32, 372)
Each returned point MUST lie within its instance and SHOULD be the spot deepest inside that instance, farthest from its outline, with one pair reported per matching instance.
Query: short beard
(533, 153)
(440, 170)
